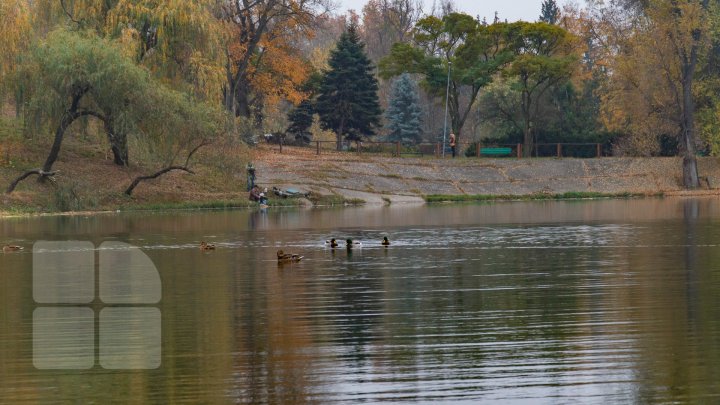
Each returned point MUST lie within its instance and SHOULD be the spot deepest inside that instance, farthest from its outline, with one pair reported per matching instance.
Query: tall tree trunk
(527, 130)
(687, 126)
(119, 148)
(527, 140)
(229, 87)
(339, 134)
(690, 171)
(256, 106)
(229, 98)
(242, 99)
(118, 144)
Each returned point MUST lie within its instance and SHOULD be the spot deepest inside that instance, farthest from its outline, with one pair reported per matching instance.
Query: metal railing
(463, 149)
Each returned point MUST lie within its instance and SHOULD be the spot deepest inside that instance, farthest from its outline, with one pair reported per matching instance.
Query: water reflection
(552, 302)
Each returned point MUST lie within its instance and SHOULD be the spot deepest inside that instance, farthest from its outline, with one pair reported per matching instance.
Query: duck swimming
(385, 241)
(350, 244)
(332, 242)
(287, 257)
(11, 248)
(206, 246)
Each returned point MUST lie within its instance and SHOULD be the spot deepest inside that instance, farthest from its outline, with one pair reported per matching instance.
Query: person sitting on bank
(255, 194)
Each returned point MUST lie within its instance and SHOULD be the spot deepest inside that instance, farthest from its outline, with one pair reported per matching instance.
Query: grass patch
(333, 199)
(573, 195)
(205, 205)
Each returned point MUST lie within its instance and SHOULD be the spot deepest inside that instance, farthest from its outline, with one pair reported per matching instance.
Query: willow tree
(69, 75)
(16, 20)
(174, 126)
(178, 41)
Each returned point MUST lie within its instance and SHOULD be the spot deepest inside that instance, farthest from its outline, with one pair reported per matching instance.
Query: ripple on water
(547, 313)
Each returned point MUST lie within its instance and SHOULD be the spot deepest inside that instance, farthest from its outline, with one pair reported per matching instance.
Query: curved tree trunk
(67, 119)
(65, 122)
(70, 115)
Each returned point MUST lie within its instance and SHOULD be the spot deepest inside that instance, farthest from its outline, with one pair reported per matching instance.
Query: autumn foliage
(636, 77)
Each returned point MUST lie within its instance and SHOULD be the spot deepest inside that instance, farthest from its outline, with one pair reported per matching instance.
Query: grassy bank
(441, 198)
(313, 199)
(88, 180)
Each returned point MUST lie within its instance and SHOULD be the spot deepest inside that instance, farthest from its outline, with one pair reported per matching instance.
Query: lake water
(573, 302)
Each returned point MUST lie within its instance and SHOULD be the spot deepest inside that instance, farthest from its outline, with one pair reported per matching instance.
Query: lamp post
(447, 96)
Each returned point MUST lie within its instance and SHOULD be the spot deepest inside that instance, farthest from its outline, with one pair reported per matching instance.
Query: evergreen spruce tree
(550, 12)
(403, 113)
(301, 119)
(348, 102)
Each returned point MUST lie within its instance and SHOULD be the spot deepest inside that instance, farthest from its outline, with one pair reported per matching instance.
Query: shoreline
(428, 200)
(337, 179)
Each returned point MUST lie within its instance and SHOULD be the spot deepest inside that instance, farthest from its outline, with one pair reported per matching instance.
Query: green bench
(495, 151)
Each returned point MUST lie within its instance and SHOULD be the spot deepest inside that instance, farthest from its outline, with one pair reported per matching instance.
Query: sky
(512, 10)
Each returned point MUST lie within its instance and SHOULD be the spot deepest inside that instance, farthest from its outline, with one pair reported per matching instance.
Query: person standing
(250, 176)
(452, 143)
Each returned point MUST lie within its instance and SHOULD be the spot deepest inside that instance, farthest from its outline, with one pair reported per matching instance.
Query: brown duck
(287, 257)
(11, 248)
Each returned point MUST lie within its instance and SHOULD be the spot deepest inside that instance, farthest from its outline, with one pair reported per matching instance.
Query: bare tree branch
(27, 174)
(154, 176)
(70, 16)
(168, 169)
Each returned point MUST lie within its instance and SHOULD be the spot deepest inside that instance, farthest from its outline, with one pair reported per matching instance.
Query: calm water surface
(522, 303)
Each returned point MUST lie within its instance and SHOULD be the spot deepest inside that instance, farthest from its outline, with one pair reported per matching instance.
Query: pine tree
(403, 113)
(348, 102)
(301, 119)
(550, 12)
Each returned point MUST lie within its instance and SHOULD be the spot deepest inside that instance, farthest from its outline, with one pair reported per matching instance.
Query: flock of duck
(349, 243)
(283, 257)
